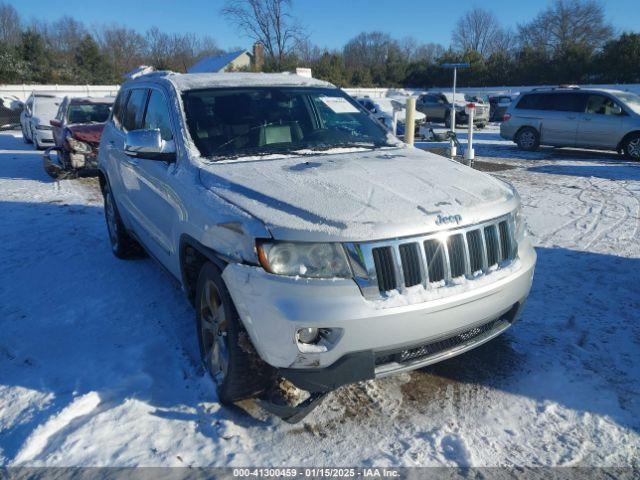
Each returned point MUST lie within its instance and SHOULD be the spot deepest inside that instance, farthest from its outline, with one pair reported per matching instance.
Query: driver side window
(601, 105)
(157, 116)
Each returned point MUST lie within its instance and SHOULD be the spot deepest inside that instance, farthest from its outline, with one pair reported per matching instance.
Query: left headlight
(313, 260)
(78, 146)
(520, 224)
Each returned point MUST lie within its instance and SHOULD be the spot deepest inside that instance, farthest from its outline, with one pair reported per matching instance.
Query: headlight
(78, 146)
(520, 224)
(314, 260)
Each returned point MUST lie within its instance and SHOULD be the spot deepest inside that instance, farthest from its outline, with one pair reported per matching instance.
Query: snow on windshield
(46, 107)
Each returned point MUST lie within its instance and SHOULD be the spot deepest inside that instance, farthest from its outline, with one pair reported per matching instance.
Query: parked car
(76, 132)
(498, 106)
(574, 117)
(10, 110)
(314, 246)
(383, 108)
(39, 110)
(437, 108)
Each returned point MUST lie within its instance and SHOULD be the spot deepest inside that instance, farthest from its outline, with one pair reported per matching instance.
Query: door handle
(586, 119)
(571, 117)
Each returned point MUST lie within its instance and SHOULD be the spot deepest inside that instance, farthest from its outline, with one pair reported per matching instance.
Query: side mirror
(55, 123)
(148, 144)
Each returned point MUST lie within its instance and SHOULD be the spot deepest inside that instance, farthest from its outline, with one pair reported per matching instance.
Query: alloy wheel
(527, 139)
(633, 148)
(213, 331)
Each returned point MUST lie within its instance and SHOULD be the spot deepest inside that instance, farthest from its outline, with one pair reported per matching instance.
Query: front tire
(225, 348)
(122, 244)
(631, 147)
(447, 120)
(528, 139)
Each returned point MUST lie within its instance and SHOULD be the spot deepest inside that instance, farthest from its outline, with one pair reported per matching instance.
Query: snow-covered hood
(368, 195)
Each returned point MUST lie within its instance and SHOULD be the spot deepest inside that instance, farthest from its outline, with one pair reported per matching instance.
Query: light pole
(455, 67)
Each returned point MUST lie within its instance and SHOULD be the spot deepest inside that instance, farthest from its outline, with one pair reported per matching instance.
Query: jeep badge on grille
(447, 219)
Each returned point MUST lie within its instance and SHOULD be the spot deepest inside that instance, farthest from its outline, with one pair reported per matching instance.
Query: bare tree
(414, 50)
(369, 49)
(477, 30)
(9, 25)
(566, 23)
(269, 22)
(124, 48)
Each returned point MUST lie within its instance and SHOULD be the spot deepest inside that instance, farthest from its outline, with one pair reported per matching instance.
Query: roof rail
(559, 87)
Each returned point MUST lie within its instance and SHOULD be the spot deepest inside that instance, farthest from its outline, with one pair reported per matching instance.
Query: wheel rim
(527, 139)
(112, 223)
(213, 332)
(633, 148)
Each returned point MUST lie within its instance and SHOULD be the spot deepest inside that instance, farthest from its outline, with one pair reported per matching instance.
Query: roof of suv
(573, 89)
(193, 81)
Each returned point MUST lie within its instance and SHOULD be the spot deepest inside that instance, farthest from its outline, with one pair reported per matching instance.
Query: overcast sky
(330, 22)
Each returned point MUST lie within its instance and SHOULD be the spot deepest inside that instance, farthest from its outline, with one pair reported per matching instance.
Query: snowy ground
(98, 359)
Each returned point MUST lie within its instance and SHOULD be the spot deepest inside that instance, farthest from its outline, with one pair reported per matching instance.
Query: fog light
(308, 335)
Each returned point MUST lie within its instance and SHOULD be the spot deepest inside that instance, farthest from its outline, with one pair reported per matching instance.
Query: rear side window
(132, 117)
(559, 102)
(157, 116)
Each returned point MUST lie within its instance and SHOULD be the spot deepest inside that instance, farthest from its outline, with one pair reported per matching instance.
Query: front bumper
(43, 136)
(274, 307)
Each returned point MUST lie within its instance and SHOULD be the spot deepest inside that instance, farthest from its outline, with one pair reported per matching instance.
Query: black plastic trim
(351, 368)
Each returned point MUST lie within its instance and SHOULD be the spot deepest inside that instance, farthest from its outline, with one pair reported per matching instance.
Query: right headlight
(313, 260)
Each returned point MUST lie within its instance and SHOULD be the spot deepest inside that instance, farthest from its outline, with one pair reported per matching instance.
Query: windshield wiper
(329, 146)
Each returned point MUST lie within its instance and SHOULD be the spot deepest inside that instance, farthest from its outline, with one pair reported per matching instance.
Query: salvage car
(316, 248)
(39, 110)
(76, 132)
(437, 108)
(383, 108)
(589, 118)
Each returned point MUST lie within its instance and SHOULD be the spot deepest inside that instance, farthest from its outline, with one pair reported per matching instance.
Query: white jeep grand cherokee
(315, 247)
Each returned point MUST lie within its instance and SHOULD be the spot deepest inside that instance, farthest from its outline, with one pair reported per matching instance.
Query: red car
(77, 129)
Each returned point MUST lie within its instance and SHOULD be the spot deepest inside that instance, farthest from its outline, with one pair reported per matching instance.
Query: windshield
(46, 107)
(631, 100)
(258, 121)
(88, 112)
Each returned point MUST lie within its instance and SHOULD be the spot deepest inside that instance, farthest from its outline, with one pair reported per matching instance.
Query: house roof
(215, 64)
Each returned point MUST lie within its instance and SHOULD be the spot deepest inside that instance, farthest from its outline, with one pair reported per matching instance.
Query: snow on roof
(138, 71)
(215, 64)
(192, 81)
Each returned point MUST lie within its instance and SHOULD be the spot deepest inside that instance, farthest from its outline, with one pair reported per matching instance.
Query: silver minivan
(574, 117)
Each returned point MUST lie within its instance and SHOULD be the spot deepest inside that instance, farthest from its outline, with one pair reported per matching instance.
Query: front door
(157, 205)
(601, 123)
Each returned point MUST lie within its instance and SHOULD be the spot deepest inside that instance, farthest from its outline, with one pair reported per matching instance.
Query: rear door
(562, 110)
(124, 180)
(601, 124)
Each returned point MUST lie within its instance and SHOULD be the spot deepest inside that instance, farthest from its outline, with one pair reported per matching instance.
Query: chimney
(258, 57)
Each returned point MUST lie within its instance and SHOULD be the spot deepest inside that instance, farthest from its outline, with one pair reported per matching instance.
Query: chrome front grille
(434, 260)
